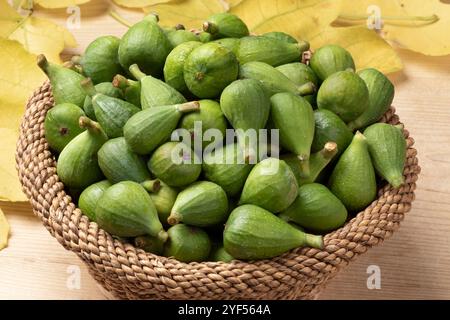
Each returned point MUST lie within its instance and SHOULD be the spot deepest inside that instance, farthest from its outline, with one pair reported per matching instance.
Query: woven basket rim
(67, 223)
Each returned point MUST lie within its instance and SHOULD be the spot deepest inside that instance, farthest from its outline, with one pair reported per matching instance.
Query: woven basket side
(131, 273)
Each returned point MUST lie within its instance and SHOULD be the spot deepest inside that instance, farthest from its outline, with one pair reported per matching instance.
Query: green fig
(178, 37)
(317, 163)
(209, 69)
(252, 233)
(62, 125)
(387, 147)
(201, 204)
(300, 74)
(273, 80)
(345, 94)
(316, 209)
(281, 36)
(66, 83)
(154, 92)
(227, 167)
(210, 116)
(126, 210)
(174, 66)
(146, 45)
(77, 165)
(148, 129)
(175, 164)
(131, 90)
(294, 117)
(272, 51)
(381, 95)
(329, 127)
(353, 179)
(187, 244)
(150, 244)
(231, 44)
(163, 199)
(246, 105)
(225, 25)
(90, 196)
(105, 88)
(218, 253)
(270, 185)
(100, 61)
(119, 163)
(330, 59)
(112, 113)
(205, 37)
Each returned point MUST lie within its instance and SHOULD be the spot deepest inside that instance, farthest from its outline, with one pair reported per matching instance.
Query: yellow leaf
(53, 4)
(418, 25)
(4, 231)
(366, 47)
(19, 77)
(140, 3)
(191, 13)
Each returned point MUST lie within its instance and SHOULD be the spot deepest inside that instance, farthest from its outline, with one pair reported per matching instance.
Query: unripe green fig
(66, 83)
(209, 69)
(100, 61)
(231, 44)
(150, 244)
(330, 59)
(105, 88)
(273, 80)
(269, 50)
(353, 179)
(227, 167)
(77, 165)
(270, 185)
(119, 163)
(329, 127)
(381, 95)
(225, 25)
(281, 36)
(175, 163)
(146, 45)
(149, 128)
(252, 233)
(174, 66)
(345, 94)
(387, 148)
(246, 105)
(210, 116)
(201, 204)
(187, 244)
(126, 210)
(300, 74)
(218, 253)
(294, 117)
(90, 196)
(154, 92)
(163, 198)
(62, 125)
(131, 90)
(178, 37)
(316, 209)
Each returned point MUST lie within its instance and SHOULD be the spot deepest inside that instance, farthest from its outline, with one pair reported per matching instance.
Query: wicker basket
(131, 273)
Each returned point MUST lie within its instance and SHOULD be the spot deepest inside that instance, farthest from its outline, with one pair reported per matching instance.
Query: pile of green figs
(118, 105)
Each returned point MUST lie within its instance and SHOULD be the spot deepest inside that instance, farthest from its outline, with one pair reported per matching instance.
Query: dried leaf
(19, 76)
(418, 25)
(4, 230)
(191, 13)
(141, 3)
(53, 4)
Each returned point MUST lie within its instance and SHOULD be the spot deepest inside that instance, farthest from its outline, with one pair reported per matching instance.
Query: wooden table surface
(414, 263)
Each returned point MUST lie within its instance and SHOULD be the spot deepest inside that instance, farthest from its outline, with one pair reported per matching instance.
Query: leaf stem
(116, 16)
(357, 17)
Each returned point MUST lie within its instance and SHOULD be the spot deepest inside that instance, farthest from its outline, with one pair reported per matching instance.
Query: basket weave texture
(131, 273)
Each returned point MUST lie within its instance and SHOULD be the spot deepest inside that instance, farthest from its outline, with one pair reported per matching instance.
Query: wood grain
(414, 264)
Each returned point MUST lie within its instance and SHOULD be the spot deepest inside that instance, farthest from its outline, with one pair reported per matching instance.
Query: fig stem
(116, 16)
(304, 166)
(174, 218)
(303, 46)
(163, 236)
(76, 60)
(136, 72)
(397, 181)
(314, 241)
(318, 161)
(307, 89)
(86, 123)
(152, 186)
(119, 81)
(180, 27)
(42, 62)
(88, 87)
(329, 150)
(153, 17)
(431, 19)
(210, 27)
(189, 107)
